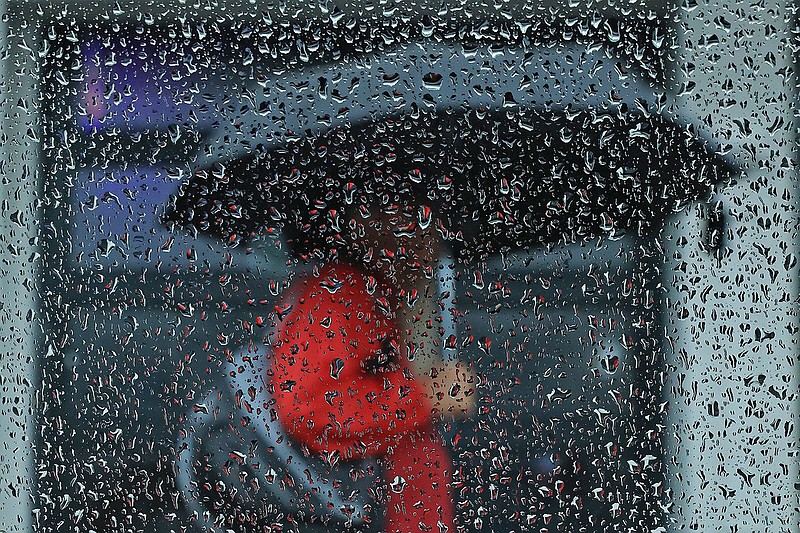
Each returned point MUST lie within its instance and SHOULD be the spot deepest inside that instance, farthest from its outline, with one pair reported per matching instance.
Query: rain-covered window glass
(399, 266)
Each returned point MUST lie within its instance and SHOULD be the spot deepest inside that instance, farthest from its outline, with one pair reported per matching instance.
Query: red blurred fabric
(342, 384)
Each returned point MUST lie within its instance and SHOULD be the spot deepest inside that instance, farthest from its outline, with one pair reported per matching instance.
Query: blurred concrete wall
(732, 309)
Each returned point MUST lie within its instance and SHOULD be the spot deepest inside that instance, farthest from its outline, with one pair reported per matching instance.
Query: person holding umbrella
(353, 374)
(355, 367)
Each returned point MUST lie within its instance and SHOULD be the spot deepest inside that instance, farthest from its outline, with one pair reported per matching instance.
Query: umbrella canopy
(508, 148)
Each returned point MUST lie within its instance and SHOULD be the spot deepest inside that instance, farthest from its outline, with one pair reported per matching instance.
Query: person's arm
(449, 384)
(325, 394)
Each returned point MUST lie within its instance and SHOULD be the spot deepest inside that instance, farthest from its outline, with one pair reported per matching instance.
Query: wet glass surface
(574, 246)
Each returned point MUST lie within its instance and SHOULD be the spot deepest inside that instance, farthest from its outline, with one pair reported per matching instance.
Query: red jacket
(342, 384)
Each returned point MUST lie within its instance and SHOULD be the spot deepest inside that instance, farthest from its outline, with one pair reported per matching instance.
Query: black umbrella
(551, 159)
(497, 178)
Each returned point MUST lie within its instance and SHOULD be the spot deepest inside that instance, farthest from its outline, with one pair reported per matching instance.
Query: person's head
(400, 243)
(376, 219)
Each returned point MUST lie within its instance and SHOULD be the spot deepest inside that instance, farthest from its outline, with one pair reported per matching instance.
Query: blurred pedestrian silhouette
(357, 371)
